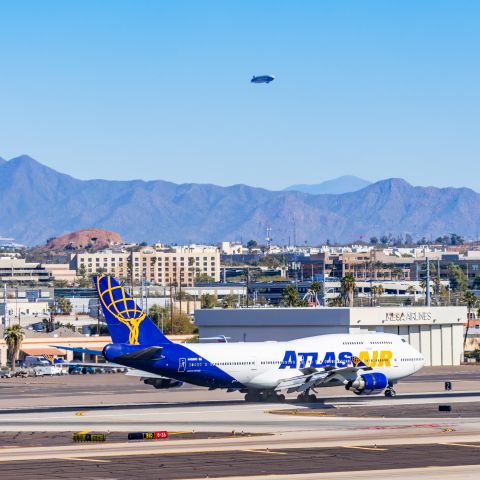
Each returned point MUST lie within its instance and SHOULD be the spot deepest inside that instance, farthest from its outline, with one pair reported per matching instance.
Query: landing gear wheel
(390, 392)
(301, 398)
(280, 398)
(253, 397)
(312, 398)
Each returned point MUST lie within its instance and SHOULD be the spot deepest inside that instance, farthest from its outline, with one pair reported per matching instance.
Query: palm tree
(397, 273)
(376, 267)
(229, 301)
(423, 286)
(377, 291)
(348, 285)
(471, 300)
(14, 336)
(436, 289)
(336, 301)
(411, 290)
(158, 314)
(290, 295)
(65, 306)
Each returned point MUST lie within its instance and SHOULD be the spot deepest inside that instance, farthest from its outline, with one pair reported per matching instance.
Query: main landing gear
(390, 391)
(307, 397)
(269, 396)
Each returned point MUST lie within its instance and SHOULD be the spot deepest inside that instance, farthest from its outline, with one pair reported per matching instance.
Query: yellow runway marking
(79, 414)
(366, 448)
(85, 459)
(462, 445)
(265, 451)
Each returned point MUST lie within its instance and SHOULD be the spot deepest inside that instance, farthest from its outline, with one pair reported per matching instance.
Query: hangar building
(437, 332)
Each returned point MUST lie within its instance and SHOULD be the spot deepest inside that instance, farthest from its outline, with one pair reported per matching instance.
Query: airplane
(363, 363)
(262, 79)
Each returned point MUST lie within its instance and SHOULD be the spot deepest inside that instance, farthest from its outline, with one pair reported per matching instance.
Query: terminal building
(437, 332)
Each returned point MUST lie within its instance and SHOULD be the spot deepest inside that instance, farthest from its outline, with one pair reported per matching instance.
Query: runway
(216, 434)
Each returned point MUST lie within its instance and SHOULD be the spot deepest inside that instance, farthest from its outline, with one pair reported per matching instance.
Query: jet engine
(162, 382)
(368, 384)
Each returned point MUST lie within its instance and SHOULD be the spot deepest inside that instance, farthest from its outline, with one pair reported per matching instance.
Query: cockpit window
(403, 340)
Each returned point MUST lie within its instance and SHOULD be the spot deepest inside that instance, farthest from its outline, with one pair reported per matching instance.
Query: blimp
(262, 79)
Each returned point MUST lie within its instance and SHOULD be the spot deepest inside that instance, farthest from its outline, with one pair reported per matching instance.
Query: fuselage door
(182, 364)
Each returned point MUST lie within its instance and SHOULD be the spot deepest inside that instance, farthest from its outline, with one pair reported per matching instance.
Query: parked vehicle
(51, 370)
(5, 372)
(24, 373)
(35, 361)
(75, 370)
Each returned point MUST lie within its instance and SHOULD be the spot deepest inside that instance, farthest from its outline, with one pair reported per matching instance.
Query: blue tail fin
(127, 323)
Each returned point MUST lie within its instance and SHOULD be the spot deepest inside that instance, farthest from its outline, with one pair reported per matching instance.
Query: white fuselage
(263, 365)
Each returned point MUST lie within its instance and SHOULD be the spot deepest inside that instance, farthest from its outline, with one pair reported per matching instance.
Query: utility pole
(268, 237)
(294, 232)
(324, 287)
(427, 289)
(171, 310)
(98, 317)
(5, 300)
(180, 295)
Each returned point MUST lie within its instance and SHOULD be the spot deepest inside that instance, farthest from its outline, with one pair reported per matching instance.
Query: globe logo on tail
(121, 306)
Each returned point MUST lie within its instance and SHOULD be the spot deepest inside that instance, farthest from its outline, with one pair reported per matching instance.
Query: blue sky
(160, 89)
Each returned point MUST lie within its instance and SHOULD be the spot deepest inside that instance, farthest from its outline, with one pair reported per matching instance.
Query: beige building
(157, 265)
(176, 265)
(113, 263)
(18, 270)
(60, 271)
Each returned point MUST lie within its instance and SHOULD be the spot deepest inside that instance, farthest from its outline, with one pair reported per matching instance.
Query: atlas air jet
(365, 364)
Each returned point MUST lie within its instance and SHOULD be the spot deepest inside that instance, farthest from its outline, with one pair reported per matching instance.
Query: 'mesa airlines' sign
(408, 316)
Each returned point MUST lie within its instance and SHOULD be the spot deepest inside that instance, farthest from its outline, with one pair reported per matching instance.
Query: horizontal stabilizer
(134, 372)
(149, 353)
(79, 350)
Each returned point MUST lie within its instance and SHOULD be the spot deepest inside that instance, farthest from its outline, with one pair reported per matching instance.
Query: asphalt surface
(216, 434)
(121, 389)
(248, 462)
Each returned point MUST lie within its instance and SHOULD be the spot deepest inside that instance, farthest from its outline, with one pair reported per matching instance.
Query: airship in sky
(262, 79)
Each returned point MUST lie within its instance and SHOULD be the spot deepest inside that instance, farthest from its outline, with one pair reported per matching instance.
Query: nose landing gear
(390, 391)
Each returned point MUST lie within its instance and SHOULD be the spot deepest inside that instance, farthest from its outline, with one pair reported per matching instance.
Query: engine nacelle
(162, 382)
(368, 384)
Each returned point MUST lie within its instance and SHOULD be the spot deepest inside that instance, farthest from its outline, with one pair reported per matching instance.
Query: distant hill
(344, 184)
(95, 238)
(38, 202)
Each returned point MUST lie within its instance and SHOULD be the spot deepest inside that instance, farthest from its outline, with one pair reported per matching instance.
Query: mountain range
(38, 202)
(343, 184)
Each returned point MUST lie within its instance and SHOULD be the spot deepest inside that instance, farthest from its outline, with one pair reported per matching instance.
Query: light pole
(427, 291)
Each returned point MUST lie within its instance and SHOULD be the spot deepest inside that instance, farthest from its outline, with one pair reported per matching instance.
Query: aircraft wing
(312, 377)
